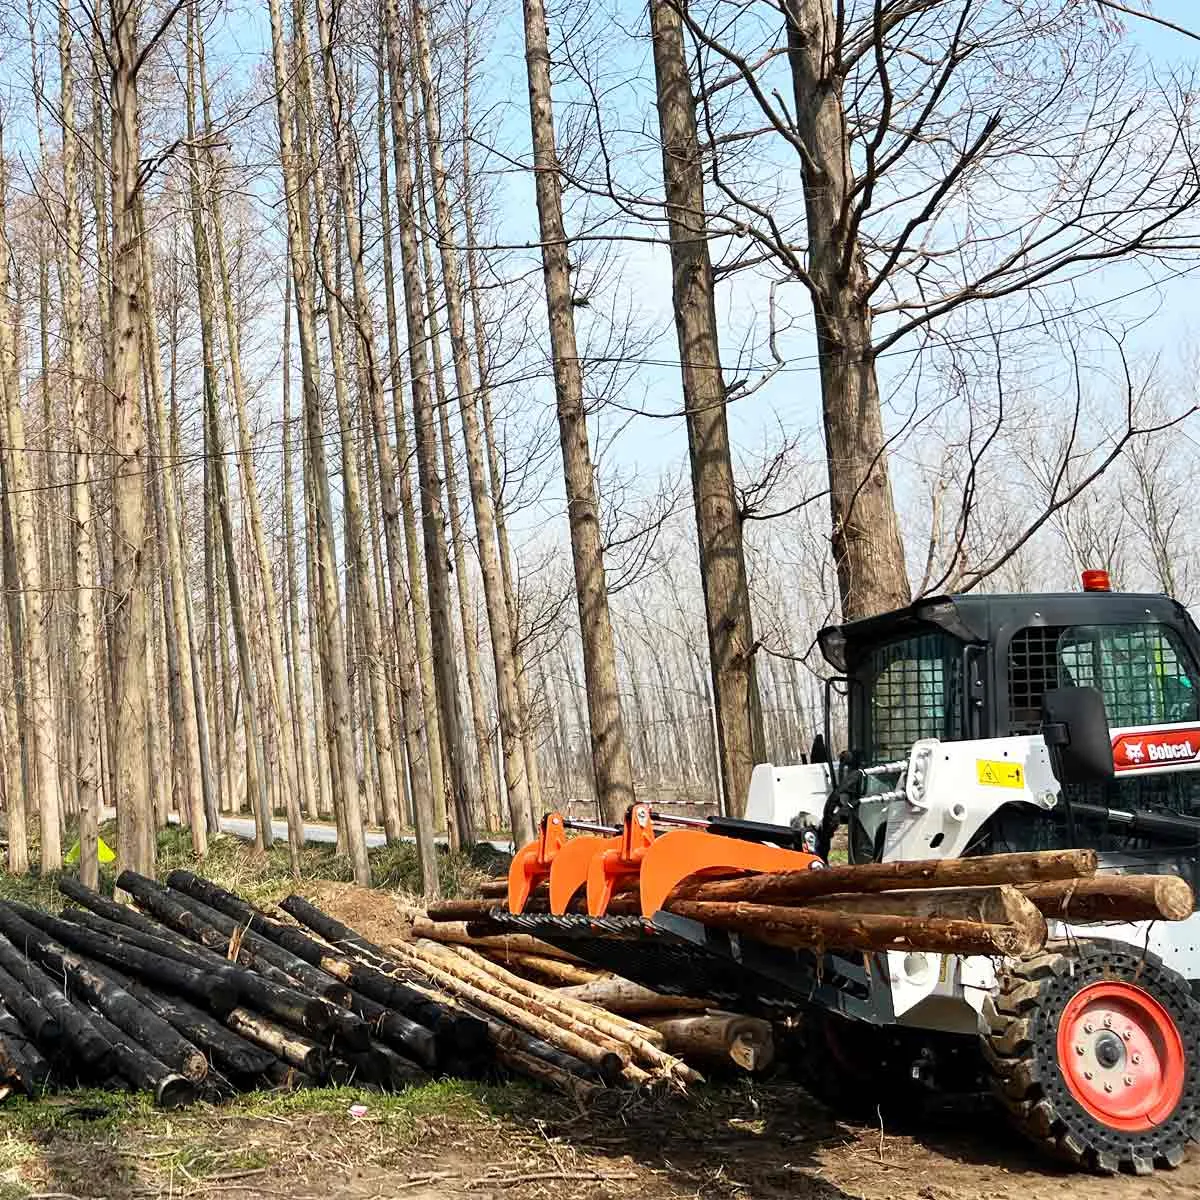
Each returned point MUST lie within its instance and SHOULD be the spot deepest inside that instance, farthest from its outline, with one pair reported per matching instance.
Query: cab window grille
(915, 690)
(1032, 672)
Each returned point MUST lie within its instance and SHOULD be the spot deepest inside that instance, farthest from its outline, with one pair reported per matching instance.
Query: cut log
(718, 1039)
(80, 1041)
(805, 928)
(640, 1041)
(796, 886)
(382, 1066)
(377, 980)
(559, 973)
(293, 1048)
(38, 1023)
(494, 889)
(459, 933)
(1001, 905)
(261, 950)
(550, 1075)
(279, 1075)
(481, 991)
(181, 950)
(21, 1060)
(618, 995)
(1114, 898)
(232, 1054)
(98, 988)
(466, 910)
(139, 1067)
(46, 938)
(398, 1031)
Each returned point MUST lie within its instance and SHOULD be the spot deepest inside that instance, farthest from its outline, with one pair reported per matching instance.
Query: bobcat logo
(1134, 752)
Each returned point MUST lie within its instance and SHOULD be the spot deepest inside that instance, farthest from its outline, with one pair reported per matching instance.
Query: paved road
(243, 827)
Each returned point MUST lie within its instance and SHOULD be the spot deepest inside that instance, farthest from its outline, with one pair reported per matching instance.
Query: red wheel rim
(1121, 1056)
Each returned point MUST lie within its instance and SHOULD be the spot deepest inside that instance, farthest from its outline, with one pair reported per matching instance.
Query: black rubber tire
(1021, 1054)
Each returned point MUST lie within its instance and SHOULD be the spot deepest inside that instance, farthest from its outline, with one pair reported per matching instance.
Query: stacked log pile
(196, 994)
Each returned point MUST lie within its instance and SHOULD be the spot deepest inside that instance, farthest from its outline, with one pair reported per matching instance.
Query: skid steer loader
(977, 724)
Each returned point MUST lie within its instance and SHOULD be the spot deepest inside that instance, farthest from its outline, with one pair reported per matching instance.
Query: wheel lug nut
(1128, 1035)
(1079, 1050)
(1108, 1087)
(1135, 1059)
(1088, 1027)
(1087, 1074)
(1128, 1081)
(1108, 1022)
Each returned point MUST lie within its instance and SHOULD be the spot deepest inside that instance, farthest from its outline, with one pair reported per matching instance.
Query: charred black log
(261, 950)
(39, 1024)
(384, 1068)
(38, 932)
(140, 1068)
(463, 1033)
(22, 1063)
(397, 1030)
(88, 1050)
(280, 1075)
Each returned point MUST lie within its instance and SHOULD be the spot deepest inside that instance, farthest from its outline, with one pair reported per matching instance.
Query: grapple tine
(620, 862)
(569, 871)
(532, 863)
(684, 852)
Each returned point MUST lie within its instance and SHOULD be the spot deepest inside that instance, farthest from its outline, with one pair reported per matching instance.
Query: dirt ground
(455, 1142)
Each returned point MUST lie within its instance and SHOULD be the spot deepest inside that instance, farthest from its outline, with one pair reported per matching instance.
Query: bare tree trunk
(529, 739)
(516, 782)
(431, 733)
(867, 547)
(214, 443)
(610, 751)
(410, 696)
(135, 826)
(432, 518)
(298, 705)
(85, 660)
(273, 622)
(178, 627)
(718, 519)
(335, 660)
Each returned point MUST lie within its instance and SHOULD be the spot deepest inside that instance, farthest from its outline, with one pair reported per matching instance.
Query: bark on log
(87, 1048)
(39, 1024)
(233, 1054)
(261, 949)
(376, 981)
(21, 1060)
(551, 1075)
(293, 1048)
(640, 1041)
(609, 1058)
(1113, 898)
(804, 928)
(466, 910)
(181, 918)
(381, 1065)
(286, 1004)
(210, 988)
(717, 1039)
(559, 973)
(1001, 905)
(180, 949)
(99, 989)
(460, 934)
(618, 995)
(397, 1030)
(136, 1064)
(494, 889)
(795, 886)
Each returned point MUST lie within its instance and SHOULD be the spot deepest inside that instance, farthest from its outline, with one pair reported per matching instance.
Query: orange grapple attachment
(569, 871)
(683, 852)
(619, 862)
(531, 864)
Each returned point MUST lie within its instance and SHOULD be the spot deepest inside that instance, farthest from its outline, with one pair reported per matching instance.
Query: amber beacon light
(1096, 581)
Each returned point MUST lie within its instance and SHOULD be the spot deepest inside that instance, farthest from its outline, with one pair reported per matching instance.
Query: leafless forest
(421, 413)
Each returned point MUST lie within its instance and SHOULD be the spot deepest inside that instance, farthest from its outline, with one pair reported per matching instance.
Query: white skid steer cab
(977, 725)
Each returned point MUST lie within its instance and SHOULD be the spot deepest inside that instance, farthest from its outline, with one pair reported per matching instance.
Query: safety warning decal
(1162, 748)
(998, 773)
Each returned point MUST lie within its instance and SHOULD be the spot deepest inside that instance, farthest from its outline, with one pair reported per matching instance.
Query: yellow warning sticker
(994, 773)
